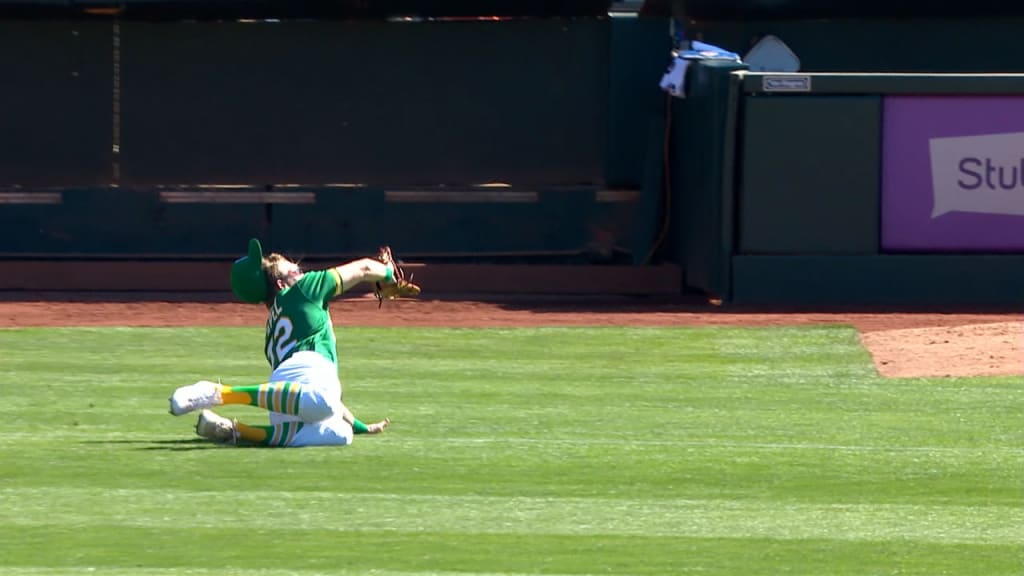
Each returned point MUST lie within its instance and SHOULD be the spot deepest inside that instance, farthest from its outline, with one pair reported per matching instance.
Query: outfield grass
(644, 451)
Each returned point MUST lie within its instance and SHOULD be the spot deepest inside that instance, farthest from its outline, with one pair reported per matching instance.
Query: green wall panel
(452, 225)
(118, 223)
(701, 208)
(905, 280)
(809, 182)
(638, 57)
(824, 10)
(874, 45)
(56, 123)
(342, 221)
(373, 103)
(33, 228)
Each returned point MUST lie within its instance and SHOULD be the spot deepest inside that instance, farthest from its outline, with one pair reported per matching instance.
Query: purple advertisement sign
(953, 174)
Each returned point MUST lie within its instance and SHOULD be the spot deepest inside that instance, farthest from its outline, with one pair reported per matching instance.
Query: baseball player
(303, 393)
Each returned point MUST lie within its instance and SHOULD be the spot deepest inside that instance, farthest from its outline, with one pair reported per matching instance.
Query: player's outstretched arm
(378, 427)
(384, 271)
(359, 427)
(363, 270)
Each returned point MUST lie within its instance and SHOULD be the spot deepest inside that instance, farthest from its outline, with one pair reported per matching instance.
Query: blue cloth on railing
(702, 51)
(674, 79)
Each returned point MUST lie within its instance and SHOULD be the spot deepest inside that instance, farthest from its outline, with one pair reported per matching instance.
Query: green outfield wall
(885, 171)
(519, 140)
(894, 189)
(915, 44)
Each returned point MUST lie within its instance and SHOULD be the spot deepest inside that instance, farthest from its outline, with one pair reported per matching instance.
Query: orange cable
(667, 192)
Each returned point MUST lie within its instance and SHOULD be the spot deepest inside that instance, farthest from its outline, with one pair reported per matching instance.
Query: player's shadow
(171, 445)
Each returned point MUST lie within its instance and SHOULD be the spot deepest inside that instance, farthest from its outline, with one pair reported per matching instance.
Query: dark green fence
(859, 189)
(515, 139)
(520, 140)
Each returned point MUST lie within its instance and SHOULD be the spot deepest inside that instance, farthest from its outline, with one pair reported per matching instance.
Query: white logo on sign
(981, 174)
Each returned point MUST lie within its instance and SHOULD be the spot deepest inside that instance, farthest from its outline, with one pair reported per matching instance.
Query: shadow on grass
(150, 444)
(172, 445)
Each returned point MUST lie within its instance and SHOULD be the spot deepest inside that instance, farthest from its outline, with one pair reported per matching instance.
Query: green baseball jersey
(299, 319)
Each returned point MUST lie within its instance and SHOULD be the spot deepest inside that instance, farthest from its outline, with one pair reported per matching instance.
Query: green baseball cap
(247, 279)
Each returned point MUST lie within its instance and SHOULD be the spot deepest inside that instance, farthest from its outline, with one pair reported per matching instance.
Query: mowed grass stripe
(556, 451)
(424, 553)
(493, 515)
(138, 571)
(536, 470)
(609, 441)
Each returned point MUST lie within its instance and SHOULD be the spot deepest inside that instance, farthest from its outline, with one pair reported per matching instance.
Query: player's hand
(378, 427)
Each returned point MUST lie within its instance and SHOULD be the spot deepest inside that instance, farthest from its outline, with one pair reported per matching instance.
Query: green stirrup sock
(390, 275)
(358, 427)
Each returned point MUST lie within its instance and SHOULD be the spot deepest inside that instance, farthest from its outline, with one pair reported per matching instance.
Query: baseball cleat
(217, 428)
(202, 394)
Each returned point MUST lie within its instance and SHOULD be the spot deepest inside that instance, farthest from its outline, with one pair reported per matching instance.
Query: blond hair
(272, 266)
(272, 271)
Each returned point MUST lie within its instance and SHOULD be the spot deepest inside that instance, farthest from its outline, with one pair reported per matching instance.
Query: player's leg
(335, 431)
(213, 426)
(202, 394)
(308, 403)
(305, 386)
(331, 432)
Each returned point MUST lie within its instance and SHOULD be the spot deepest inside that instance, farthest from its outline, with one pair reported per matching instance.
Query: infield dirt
(903, 344)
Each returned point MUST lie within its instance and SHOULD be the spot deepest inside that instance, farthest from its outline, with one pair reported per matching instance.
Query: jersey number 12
(279, 340)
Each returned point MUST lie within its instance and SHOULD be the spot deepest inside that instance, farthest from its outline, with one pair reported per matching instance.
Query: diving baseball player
(303, 393)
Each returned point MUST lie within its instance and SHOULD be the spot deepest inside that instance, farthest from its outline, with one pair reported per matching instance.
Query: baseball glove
(398, 287)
